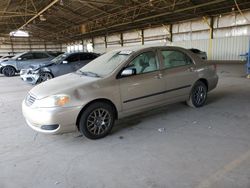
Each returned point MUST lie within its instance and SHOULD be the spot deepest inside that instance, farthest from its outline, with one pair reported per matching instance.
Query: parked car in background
(24, 60)
(201, 54)
(118, 84)
(62, 64)
(5, 58)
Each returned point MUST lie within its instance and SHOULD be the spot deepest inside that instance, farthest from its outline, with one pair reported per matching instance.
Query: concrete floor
(199, 148)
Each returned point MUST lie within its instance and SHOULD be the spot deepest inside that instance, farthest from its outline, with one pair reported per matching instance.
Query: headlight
(52, 101)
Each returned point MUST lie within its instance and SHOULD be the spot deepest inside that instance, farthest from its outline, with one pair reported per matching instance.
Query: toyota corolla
(118, 84)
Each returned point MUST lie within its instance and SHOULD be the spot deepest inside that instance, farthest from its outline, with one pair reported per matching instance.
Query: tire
(198, 95)
(97, 120)
(44, 76)
(9, 71)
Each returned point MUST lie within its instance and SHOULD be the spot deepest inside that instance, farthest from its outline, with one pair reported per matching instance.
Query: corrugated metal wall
(228, 48)
(21, 44)
(231, 37)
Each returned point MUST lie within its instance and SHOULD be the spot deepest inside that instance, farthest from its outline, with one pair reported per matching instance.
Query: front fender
(45, 69)
(10, 63)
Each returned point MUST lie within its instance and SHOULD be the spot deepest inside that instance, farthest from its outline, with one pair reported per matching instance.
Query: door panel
(141, 90)
(146, 87)
(179, 73)
(26, 61)
(179, 81)
(80, 64)
(62, 69)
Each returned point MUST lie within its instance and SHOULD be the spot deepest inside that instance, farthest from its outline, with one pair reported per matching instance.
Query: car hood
(3, 60)
(44, 64)
(65, 84)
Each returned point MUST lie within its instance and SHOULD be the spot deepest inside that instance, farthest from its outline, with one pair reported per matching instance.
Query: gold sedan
(118, 84)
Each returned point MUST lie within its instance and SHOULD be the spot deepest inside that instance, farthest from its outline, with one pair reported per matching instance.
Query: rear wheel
(9, 71)
(198, 95)
(97, 120)
(44, 76)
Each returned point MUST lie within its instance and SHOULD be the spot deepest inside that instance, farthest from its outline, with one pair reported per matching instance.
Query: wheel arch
(204, 81)
(93, 101)
(10, 66)
(48, 71)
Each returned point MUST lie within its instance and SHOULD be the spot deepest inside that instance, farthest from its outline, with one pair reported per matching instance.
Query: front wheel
(97, 120)
(9, 71)
(44, 76)
(198, 95)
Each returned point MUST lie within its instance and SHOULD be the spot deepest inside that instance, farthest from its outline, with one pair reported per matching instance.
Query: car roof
(139, 48)
(69, 53)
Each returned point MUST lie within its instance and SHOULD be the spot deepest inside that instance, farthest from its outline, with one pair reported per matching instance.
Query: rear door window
(73, 58)
(87, 56)
(39, 55)
(173, 58)
(27, 56)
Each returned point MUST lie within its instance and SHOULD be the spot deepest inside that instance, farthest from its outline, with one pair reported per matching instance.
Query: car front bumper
(51, 120)
(1, 69)
(29, 78)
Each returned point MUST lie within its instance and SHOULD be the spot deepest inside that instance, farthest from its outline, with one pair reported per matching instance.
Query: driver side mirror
(128, 72)
(19, 58)
(65, 62)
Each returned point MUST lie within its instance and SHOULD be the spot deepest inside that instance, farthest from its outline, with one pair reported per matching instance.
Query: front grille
(30, 99)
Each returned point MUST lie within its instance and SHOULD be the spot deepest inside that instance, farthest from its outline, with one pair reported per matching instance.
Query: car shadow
(16, 75)
(134, 120)
(217, 96)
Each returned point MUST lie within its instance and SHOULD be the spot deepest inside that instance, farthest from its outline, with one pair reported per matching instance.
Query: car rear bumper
(51, 120)
(212, 82)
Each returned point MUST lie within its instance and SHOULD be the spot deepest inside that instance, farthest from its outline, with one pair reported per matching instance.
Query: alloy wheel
(199, 95)
(99, 121)
(9, 71)
(45, 76)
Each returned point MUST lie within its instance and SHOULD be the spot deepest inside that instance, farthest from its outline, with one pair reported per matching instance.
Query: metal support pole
(142, 37)
(105, 41)
(171, 33)
(45, 46)
(82, 45)
(29, 43)
(93, 44)
(212, 28)
(210, 46)
(248, 61)
(121, 39)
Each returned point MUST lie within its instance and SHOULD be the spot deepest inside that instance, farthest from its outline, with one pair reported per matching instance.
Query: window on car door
(87, 56)
(145, 62)
(172, 59)
(73, 58)
(27, 56)
(40, 55)
(178, 73)
(25, 61)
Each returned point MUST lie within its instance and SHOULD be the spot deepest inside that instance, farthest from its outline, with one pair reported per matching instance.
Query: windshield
(17, 55)
(105, 64)
(59, 58)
